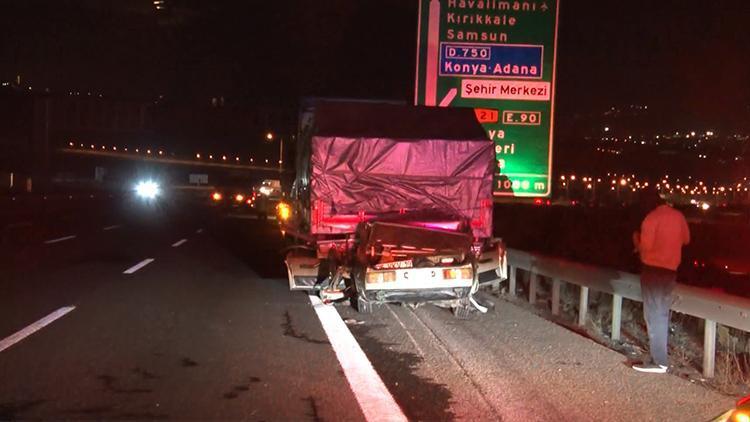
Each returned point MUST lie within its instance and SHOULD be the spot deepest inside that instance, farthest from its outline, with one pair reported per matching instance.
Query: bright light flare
(239, 197)
(265, 190)
(147, 189)
(216, 196)
(284, 211)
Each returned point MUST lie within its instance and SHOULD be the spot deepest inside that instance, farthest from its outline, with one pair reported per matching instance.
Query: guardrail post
(556, 296)
(616, 316)
(709, 348)
(583, 305)
(512, 280)
(533, 283)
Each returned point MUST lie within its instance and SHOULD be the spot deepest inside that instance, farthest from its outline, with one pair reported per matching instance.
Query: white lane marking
(138, 266)
(178, 243)
(374, 399)
(116, 226)
(33, 328)
(60, 239)
(199, 231)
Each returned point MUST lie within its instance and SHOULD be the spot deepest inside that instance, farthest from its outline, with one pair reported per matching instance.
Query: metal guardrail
(711, 306)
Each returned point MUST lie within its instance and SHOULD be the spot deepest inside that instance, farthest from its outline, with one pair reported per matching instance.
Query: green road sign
(497, 57)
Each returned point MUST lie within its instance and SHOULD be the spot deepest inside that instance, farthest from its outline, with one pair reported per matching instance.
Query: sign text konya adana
(497, 57)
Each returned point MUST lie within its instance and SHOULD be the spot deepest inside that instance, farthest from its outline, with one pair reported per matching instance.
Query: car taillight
(216, 196)
(239, 197)
(457, 274)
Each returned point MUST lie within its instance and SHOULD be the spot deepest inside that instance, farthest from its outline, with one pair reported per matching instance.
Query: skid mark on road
(458, 364)
(188, 363)
(290, 331)
(13, 410)
(145, 374)
(420, 398)
(110, 384)
(314, 414)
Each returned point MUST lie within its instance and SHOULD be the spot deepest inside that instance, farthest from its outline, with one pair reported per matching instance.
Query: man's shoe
(650, 368)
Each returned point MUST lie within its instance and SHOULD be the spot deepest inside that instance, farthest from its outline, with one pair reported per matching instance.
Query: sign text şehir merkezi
(497, 57)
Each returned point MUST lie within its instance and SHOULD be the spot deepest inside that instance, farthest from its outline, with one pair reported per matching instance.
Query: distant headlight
(147, 189)
(265, 190)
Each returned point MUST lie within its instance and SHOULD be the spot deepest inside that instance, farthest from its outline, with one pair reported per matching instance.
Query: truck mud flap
(492, 265)
(302, 270)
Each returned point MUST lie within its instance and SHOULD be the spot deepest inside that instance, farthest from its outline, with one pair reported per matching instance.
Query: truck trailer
(391, 203)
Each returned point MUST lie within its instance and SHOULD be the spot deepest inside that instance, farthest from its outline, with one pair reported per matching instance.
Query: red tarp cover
(366, 176)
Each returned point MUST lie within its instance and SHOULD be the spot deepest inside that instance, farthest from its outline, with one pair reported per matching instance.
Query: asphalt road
(208, 330)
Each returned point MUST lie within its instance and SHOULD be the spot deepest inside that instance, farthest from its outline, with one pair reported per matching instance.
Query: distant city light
(197, 156)
(269, 136)
(606, 128)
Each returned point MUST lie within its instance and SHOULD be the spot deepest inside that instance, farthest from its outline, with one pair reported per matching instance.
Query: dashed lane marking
(374, 399)
(33, 328)
(138, 266)
(59, 239)
(113, 227)
(178, 243)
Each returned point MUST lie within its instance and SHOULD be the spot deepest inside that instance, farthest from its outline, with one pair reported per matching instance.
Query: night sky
(690, 59)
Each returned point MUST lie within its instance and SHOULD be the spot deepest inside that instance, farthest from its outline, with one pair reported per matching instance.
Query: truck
(391, 203)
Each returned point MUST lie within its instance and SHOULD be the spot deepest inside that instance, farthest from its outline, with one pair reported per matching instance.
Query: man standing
(663, 233)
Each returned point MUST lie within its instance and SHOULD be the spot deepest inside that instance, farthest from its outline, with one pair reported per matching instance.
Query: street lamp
(269, 138)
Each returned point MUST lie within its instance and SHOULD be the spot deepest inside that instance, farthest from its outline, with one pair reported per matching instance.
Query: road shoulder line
(374, 399)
